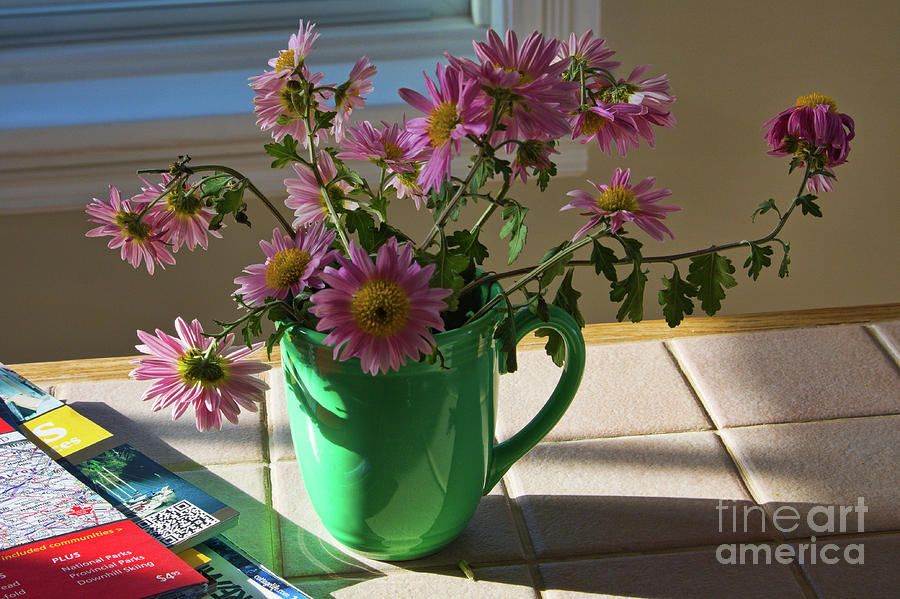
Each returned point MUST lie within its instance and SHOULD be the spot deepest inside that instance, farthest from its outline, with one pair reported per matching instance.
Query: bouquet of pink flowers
(381, 294)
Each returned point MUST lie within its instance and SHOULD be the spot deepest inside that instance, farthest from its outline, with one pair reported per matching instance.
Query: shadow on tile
(687, 575)
(572, 525)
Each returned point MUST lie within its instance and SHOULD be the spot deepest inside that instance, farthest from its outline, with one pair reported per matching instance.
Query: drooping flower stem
(487, 279)
(237, 175)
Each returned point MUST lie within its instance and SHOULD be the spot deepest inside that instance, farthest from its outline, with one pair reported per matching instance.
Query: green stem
(653, 259)
(238, 175)
(329, 206)
(494, 204)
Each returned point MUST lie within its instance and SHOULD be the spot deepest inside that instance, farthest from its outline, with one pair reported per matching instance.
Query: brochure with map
(175, 512)
(59, 538)
(236, 575)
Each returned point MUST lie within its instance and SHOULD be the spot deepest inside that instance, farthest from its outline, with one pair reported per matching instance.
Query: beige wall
(732, 65)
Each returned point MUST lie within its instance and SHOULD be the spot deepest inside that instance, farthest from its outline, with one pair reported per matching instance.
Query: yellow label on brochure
(193, 558)
(65, 431)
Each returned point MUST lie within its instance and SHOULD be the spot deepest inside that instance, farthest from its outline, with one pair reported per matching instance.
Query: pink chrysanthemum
(530, 76)
(588, 50)
(391, 147)
(406, 184)
(350, 94)
(279, 103)
(291, 264)
(453, 111)
(216, 382)
(305, 195)
(609, 124)
(138, 238)
(812, 126)
(652, 93)
(531, 154)
(379, 312)
(184, 217)
(620, 203)
(299, 46)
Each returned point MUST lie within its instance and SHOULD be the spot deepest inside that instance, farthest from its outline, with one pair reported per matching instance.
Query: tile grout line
(742, 474)
(525, 540)
(695, 389)
(885, 346)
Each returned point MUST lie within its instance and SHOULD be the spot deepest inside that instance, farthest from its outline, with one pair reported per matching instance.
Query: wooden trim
(97, 369)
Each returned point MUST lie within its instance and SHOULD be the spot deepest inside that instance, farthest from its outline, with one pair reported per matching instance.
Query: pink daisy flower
(588, 50)
(391, 147)
(620, 203)
(406, 184)
(652, 94)
(530, 76)
(453, 110)
(379, 312)
(299, 46)
(609, 124)
(349, 95)
(216, 381)
(305, 196)
(278, 105)
(532, 154)
(291, 264)
(138, 238)
(184, 217)
(812, 126)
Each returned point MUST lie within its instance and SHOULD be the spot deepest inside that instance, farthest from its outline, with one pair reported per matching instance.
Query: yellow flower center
(132, 226)
(617, 197)
(815, 99)
(592, 123)
(285, 60)
(392, 151)
(209, 371)
(183, 205)
(291, 97)
(380, 308)
(441, 121)
(286, 267)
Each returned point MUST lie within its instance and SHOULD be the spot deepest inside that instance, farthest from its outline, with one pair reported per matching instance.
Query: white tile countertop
(640, 491)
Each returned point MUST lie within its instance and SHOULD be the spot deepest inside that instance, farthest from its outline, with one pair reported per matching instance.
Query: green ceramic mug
(395, 464)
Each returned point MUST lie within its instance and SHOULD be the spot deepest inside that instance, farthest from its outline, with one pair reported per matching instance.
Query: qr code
(178, 522)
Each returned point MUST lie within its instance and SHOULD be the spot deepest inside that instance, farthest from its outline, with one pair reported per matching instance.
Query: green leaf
(447, 272)
(555, 346)
(506, 332)
(567, 298)
(785, 260)
(603, 258)
(630, 291)
(514, 227)
(467, 244)
(763, 208)
(711, 274)
(558, 268)
(215, 185)
(758, 259)
(675, 298)
(284, 153)
(362, 223)
(324, 119)
(215, 222)
(808, 205)
(230, 201)
(544, 175)
(482, 174)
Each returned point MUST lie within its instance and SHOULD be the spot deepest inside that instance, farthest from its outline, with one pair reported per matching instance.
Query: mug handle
(504, 455)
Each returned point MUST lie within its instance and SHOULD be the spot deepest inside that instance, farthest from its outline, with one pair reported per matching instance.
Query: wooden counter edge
(97, 369)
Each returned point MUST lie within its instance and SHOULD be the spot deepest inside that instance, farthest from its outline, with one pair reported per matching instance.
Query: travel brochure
(118, 481)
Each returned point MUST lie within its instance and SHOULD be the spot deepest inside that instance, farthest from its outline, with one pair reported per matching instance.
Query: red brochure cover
(58, 538)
